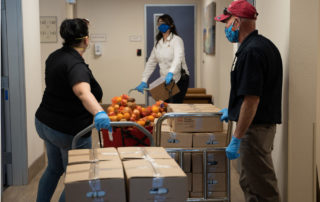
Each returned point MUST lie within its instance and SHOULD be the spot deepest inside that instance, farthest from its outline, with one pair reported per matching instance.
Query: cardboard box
(209, 140)
(186, 162)
(189, 175)
(195, 124)
(196, 195)
(216, 162)
(165, 129)
(157, 180)
(176, 140)
(216, 182)
(105, 179)
(92, 155)
(209, 195)
(129, 153)
(160, 91)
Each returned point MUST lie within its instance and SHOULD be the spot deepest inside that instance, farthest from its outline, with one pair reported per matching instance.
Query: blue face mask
(232, 36)
(163, 28)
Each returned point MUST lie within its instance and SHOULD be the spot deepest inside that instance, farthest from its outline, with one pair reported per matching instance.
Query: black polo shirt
(257, 70)
(60, 108)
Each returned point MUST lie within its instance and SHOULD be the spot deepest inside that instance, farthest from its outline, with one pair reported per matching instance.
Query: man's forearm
(247, 112)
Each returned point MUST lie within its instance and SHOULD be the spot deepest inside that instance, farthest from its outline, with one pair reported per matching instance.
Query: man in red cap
(254, 102)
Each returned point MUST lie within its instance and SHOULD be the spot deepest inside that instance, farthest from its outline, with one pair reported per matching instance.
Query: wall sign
(48, 29)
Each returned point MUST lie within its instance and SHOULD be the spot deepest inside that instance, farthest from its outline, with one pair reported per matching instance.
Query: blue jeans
(57, 146)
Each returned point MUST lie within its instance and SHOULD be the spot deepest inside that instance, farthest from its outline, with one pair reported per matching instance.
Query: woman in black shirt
(69, 103)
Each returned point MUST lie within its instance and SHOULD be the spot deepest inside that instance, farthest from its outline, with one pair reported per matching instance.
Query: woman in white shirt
(168, 52)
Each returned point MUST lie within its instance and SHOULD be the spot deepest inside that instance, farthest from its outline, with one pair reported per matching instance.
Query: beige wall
(56, 8)
(119, 69)
(303, 62)
(273, 22)
(215, 69)
(32, 59)
(318, 105)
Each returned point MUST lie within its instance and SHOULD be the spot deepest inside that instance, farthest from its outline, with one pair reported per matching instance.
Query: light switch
(98, 49)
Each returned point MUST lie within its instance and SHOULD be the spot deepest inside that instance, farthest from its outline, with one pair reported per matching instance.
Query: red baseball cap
(239, 8)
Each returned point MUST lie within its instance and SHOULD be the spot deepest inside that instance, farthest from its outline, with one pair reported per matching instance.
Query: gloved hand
(141, 86)
(101, 120)
(169, 78)
(233, 148)
(224, 116)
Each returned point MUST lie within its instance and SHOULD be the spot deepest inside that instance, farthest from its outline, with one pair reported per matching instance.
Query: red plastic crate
(126, 136)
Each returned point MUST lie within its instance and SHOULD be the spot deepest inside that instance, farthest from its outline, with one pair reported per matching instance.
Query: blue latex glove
(233, 148)
(141, 86)
(224, 116)
(169, 78)
(101, 120)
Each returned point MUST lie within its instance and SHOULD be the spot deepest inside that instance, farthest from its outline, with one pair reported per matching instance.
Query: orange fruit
(119, 116)
(155, 109)
(150, 118)
(141, 122)
(110, 109)
(113, 118)
(127, 116)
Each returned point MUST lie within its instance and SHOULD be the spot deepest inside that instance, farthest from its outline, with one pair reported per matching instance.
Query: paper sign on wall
(48, 29)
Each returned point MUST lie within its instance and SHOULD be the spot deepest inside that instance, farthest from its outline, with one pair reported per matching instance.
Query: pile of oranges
(124, 108)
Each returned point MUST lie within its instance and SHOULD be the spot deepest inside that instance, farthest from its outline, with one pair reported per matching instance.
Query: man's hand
(233, 148)
(224, 116)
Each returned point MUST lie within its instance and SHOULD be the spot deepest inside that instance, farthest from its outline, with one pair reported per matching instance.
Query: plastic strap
(95, 185)
(173, 137)
(212, 139)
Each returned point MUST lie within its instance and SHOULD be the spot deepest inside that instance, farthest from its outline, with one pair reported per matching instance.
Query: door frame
(195, 33)
(15, 114)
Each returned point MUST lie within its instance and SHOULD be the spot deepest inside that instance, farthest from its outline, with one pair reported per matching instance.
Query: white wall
(303, 61)
(273, 22)
(215, 71)
(56, 8)
(32, 59)
(119, 69)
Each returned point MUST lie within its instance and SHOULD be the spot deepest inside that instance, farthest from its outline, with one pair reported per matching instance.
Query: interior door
(184, 19)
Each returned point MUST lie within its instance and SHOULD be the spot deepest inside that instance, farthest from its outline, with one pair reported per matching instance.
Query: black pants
(183, 84)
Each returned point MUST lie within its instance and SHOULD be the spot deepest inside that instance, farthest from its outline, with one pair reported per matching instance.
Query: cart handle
(117, 124)
(177, 115)
(133, 89)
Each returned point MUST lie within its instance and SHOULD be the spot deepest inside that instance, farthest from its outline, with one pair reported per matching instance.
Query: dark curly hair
(73, 31)
(167, 19)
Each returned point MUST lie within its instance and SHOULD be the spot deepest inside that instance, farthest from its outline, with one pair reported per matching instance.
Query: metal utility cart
(116, 124)
(203, 150)
(177, 150)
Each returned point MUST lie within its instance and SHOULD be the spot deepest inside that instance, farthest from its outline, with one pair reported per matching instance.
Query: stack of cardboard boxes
(133, 174)
(198, 132)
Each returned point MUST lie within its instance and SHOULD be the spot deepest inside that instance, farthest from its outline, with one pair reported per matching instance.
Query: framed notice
(48, 29)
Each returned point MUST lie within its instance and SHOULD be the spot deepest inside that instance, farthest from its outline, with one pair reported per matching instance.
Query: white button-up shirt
(170, 56)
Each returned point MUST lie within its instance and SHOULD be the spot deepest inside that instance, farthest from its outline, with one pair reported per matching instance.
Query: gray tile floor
(28, 193)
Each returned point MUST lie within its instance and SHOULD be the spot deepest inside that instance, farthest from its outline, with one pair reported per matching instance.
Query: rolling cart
(203, 150)
(116, 124)
(175, 150)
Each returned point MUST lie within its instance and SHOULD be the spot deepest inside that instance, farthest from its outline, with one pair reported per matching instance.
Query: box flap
(157, 168)
(127, 153)
(91, 155)
(95, 170)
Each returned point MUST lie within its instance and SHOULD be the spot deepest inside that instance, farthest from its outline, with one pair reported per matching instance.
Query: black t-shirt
(60, 108)
(257, 70)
